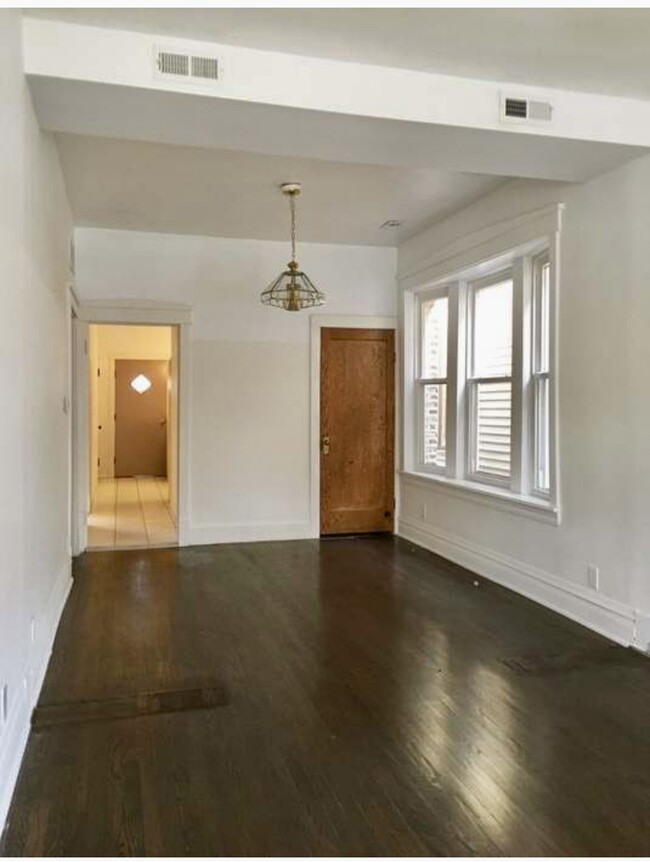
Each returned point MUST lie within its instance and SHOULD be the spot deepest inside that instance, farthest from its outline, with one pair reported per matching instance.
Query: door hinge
(99, 373)
(98, 462)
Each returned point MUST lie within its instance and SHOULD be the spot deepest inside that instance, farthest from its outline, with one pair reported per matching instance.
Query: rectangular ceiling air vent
(527, 110)
(516, 108)
(173, 64)
(205, 67)
(191, 68)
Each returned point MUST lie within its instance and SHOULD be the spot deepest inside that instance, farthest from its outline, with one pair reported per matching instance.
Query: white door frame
(127, 313)
(335, 321)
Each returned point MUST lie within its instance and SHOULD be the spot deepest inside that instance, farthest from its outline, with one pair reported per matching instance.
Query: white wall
(604, 404)
(35, 228)
(250, 406)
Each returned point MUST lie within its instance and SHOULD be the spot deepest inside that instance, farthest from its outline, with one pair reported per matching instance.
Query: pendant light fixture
(292, 290)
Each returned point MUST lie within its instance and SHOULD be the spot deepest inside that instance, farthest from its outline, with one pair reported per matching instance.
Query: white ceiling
(137, 185)
(594, 50)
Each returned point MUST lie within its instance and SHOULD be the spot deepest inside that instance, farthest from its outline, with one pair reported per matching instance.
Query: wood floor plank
(376, 708)
(128, 706)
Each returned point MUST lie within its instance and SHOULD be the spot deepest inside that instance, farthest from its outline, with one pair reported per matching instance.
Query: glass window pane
(542, 314)
(542, 454)
(493, 330)
(493, 412)
(434, 337)
(435, 420)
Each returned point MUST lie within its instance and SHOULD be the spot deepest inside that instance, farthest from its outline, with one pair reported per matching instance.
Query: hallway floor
(378, 701)
(131, 513)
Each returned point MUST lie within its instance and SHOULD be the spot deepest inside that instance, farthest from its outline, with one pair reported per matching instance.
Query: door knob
(325, 445)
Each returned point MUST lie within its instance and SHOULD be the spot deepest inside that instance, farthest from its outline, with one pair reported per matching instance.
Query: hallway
(131, 513)
(352, 697)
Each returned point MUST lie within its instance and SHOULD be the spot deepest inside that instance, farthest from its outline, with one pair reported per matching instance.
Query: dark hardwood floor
(369, 700)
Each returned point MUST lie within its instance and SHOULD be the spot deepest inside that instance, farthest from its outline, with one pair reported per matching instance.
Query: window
(432, 381)
(541, 374)
(490, 380)
(483, 377)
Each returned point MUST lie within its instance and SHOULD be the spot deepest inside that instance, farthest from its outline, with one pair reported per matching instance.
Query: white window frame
(441, 292)
(537, 375)
(523, 263)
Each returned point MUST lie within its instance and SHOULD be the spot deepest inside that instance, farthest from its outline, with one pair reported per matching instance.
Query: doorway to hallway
(133, 458)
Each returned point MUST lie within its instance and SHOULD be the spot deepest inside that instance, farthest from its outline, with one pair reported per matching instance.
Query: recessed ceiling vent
(514, 108)
(187, 67)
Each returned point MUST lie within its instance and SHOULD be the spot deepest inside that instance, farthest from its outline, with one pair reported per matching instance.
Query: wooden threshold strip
(129, 706)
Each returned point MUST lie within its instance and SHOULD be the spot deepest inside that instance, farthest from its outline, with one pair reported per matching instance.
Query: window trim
(520, 488)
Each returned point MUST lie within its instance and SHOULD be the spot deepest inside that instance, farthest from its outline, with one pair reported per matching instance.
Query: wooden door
(357, 430)
(141, 418)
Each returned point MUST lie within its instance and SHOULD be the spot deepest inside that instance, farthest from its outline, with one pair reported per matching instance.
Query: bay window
(483, 378)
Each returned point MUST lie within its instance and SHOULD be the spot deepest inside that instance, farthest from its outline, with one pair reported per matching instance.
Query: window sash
(541, 434)
(473, 382)
(541, 401)
(423, 464)
(474, 473)
(422, 382)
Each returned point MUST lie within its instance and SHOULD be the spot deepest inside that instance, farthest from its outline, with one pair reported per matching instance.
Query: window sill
(487, 495)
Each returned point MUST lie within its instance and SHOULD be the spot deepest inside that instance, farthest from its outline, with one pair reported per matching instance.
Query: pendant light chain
(292, 205)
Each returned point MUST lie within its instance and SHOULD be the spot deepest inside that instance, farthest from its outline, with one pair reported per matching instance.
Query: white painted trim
(80, 466)
(135, 312)
(494, 497)
(15, 735)
(259, 531)
(184, 439)
(642, 632)
(337, 321)
(606, 616)
(472, 249)
(143, 314)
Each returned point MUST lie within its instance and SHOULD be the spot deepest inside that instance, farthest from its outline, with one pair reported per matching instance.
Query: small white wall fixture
(334, 321)
(125, 313)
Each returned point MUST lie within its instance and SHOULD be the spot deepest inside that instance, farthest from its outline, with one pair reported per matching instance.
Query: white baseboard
(642, 632)
(15, 737)
(608, 617)
(260, 531)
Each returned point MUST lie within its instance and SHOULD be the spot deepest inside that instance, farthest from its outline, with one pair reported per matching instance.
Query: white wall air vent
(174, 65)
(520, 109)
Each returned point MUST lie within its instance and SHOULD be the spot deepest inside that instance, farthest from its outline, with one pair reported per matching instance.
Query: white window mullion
(521, 369)
(456, 374)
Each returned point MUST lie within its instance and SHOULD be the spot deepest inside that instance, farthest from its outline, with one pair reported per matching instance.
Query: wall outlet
(593, 576)
(4, 703)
